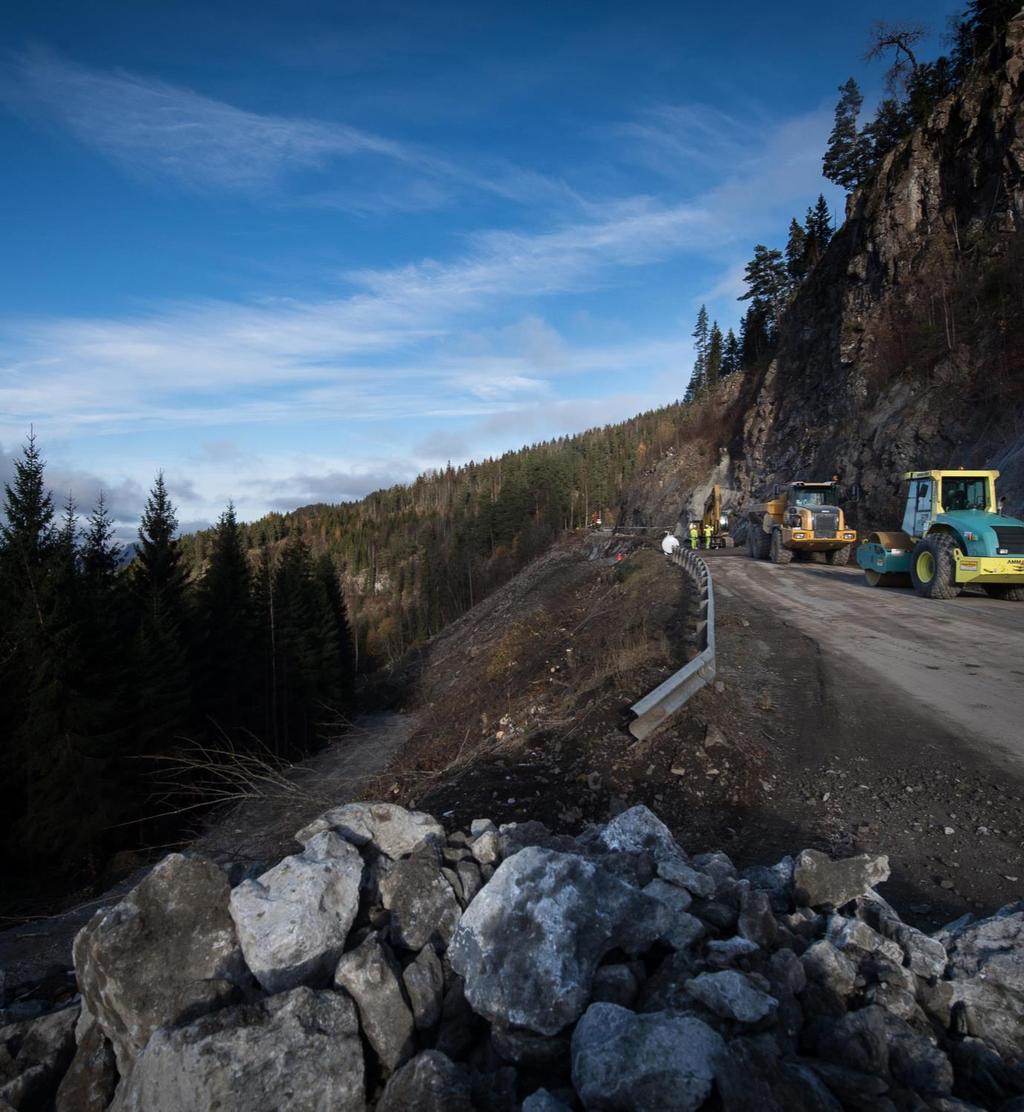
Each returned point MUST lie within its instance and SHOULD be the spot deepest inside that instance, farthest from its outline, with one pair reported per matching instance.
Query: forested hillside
(417, 556)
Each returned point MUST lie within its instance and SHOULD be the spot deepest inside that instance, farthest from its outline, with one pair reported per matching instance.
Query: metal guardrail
(654, 708)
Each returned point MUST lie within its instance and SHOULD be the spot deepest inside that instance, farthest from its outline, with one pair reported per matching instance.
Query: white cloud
(162, 131)
(364, 355)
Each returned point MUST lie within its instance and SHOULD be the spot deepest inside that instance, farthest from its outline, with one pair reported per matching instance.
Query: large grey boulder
(431, 1082)
(424, 908)
(529, 943)
(543, 1101)
(925, 955)
(372, 978)
(90, 1081)
(165, 954)
(658, 1062)
(34, 1053)
(684, 929)
(986, 966)
(818, 880)
(732, 995)
(293, 920)
(639, 830)
(391, 829)
(424, 985)
(299, 1050)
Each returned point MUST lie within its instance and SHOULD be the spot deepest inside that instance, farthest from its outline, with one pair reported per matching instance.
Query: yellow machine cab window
(802, 496)
(964, 492)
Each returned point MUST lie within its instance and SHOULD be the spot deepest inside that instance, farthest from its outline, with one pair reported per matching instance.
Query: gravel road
(895, 725)
(959, 662)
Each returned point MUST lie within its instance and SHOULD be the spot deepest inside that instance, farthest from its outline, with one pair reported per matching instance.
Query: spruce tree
(890, 126)
(299, 651)
(162, 681)
(101, 553)
(755, 335)
(817, 231)
(336, 639)
(796, 252)
(27, 544)
(846, 156)
(714, 359)
(226, 633)
(731, 357)
(701, 339)
(767, 285)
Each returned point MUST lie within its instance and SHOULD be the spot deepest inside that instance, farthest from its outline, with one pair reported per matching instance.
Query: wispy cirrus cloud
(388, 344)
(158, 130)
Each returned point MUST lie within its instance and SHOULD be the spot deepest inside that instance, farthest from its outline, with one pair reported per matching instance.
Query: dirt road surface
(959, 662)
(895, 725)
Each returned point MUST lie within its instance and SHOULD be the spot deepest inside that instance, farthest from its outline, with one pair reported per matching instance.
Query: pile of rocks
(393, 966)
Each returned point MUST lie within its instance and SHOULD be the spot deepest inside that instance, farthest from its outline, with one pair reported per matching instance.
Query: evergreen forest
(112, 672)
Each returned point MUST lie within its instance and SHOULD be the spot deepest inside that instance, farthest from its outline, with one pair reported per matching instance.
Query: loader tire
(1005, 591)
(839, 557)
(756, 542)
(779, 553)
(933, 567)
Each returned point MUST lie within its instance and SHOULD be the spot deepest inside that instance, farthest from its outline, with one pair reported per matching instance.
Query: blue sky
(291, 252)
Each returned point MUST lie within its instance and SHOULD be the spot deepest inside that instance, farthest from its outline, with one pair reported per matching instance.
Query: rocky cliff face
(905, 347)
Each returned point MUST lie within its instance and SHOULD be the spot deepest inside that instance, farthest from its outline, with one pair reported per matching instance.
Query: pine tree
(40, 708)
(162, 682)
(796, 252)
(299, 650)
(101, 554)
(891, 125)
(336, 638)
(846, 156)
(27, 544)
(28, 536)
(767, 284)
(714, 358)
(225, 621)
(817, 231)
(701, 339)
(732, 360)
(755, 335)
(105, 688)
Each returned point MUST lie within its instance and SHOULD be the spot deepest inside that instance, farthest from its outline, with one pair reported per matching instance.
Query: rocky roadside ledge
(390, 966)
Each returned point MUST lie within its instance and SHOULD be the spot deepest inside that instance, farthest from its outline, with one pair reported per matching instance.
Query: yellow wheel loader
(801, 518)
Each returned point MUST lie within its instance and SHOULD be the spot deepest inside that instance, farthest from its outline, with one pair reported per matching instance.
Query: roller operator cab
(952, 535)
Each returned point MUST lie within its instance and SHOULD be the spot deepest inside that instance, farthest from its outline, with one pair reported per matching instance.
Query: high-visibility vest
(707, 532)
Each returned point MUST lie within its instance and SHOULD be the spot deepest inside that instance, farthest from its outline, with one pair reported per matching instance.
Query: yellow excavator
(719, 522)
(801, 518)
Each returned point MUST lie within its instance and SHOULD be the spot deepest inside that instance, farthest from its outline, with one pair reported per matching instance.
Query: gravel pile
(390, 965)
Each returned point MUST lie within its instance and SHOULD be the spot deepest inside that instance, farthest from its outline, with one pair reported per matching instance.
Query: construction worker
(669, 543)
(694, 536)
(709, 532)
